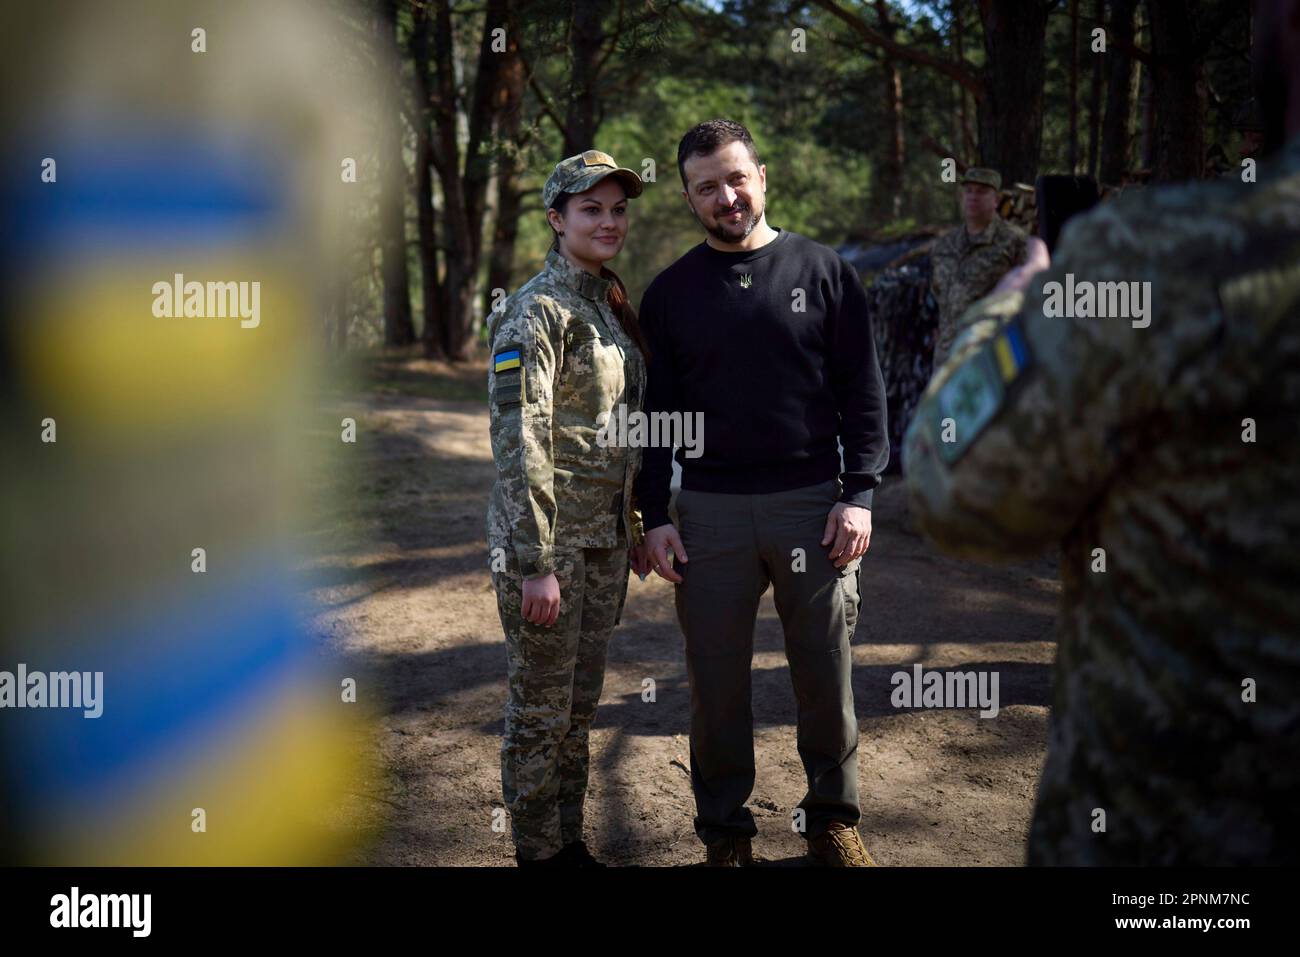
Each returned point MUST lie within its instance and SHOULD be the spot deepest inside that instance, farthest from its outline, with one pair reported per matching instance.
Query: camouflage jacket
(1164, 461)
(559, 360)
(964, 268)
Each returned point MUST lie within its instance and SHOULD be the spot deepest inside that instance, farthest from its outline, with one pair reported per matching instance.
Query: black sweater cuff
(654, 517)
(858, 490)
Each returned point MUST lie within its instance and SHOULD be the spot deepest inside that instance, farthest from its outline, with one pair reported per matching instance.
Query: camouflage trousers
(555, 676)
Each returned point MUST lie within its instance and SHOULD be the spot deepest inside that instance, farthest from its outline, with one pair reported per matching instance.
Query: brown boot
(730, 852)
(840, 846)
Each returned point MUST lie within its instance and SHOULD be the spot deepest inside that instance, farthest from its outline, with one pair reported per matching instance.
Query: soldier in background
(1249, 138)
(561, 519)
(1247, 122)
(968, 261)
(1162, 457)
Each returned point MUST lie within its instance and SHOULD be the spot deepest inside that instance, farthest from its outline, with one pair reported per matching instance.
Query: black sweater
(776, 386)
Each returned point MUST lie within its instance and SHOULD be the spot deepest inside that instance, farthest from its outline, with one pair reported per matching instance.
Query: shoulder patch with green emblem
(977, 390)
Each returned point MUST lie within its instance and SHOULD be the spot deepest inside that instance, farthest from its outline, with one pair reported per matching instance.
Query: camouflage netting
(905, 317)
(905, 322)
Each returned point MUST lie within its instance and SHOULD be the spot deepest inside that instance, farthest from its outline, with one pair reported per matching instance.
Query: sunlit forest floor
(402, 588)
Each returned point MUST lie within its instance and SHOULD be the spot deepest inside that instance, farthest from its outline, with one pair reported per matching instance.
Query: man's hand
(639, 556)
(848, 532)
(542, 600)
(658, 541)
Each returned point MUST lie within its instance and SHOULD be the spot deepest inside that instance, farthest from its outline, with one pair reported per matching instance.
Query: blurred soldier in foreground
(159, 492)
(969, 261)
(1161, 453)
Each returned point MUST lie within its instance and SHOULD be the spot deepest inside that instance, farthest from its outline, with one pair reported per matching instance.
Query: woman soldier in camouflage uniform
(562, 523)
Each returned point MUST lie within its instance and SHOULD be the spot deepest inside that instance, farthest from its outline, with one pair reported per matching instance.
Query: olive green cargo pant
(737, 545)
(555, 675)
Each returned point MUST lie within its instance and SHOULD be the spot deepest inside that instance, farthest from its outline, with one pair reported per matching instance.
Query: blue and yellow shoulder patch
(508, 375)
(977, 391)
(1011, 351)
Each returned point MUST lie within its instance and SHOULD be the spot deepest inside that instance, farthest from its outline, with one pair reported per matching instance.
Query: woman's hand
(542, 600)
(639, 556)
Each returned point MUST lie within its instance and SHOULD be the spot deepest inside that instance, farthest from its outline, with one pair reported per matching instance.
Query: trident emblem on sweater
(746, 280)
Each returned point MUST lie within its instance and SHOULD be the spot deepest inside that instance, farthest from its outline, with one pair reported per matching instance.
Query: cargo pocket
(592, 377)
(850, 585)
(508, 582)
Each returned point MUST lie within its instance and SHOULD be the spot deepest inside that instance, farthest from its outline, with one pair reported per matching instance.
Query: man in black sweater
(764, 334)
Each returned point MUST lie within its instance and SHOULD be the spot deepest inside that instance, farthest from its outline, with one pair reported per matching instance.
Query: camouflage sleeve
(1020, 254)
(1029, 417)
(526, 350)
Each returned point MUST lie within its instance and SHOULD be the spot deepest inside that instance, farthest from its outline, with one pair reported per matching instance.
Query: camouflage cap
(579, 173)
(983, 176)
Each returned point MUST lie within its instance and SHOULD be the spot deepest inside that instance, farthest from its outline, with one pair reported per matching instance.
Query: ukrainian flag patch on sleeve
(1011, 351)
(506, 359)
(508, 375)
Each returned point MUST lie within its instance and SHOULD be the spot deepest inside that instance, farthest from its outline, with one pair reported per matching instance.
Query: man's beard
(732, 232)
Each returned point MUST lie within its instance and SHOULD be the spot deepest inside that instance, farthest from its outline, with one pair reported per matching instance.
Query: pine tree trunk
(431, 335)
(1074, 87)
(1011, 111)
(1116, 131)
(398, 328)
(1094, 93)
(506, 225)
(889, 191)
(580, 123)
(1178, 93)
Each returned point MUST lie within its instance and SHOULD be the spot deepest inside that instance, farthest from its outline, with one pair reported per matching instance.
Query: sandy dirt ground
(402, 590)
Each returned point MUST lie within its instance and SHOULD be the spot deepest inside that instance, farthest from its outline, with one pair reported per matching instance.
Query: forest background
(854, 107)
